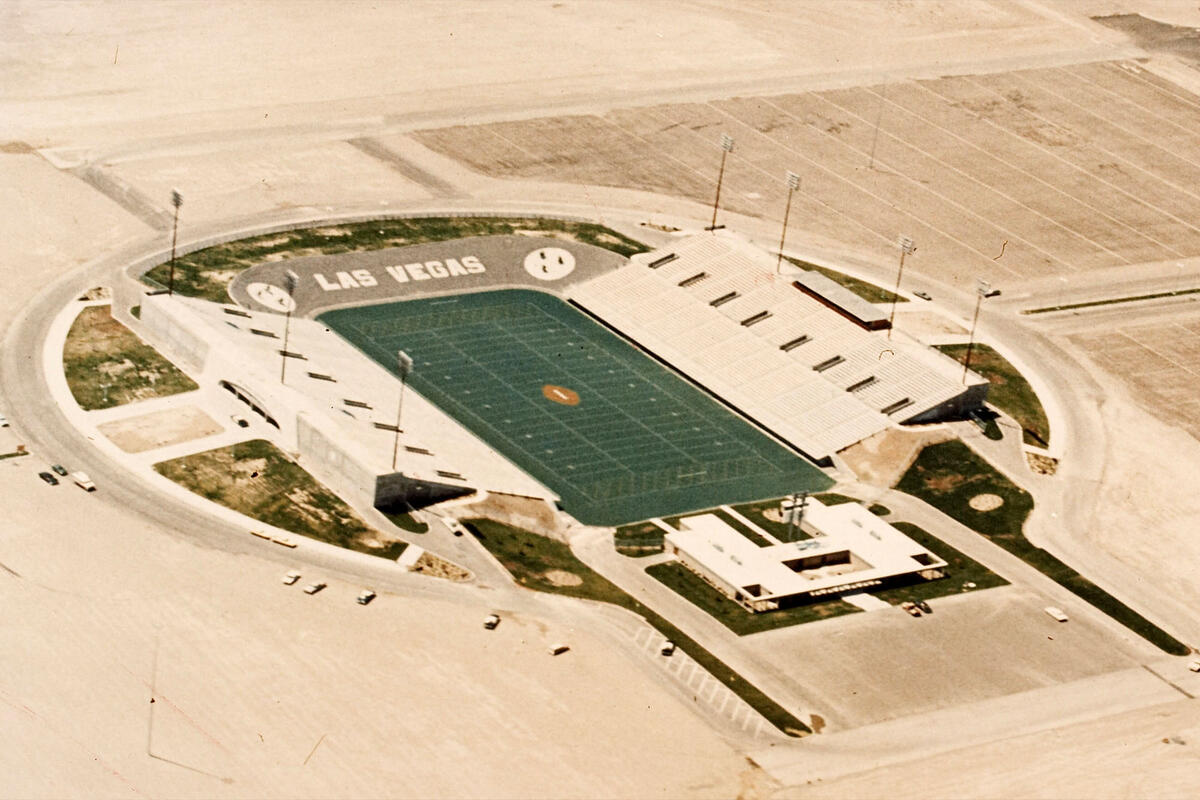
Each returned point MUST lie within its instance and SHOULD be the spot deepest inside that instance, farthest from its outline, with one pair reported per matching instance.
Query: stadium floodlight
(404, 365)
(906, 248)
(177, 201)
(290, 281)
(796, 515)
(982, 289)
(793, 182)
(726, 149)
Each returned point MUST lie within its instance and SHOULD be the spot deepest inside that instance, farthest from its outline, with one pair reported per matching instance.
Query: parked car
(921, 604)
(1194, 666)
(491, 621)
(313, 588)
(923, 295)
(60, 469)
(240, 421)
(83, 481)
(3, 421)
(1056, 613)
(558, 649)
(911, 608)
(666, 648)
(291, 578)
(48, 478)
(365, 597)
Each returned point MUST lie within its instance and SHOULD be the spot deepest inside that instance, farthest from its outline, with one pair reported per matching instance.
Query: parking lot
(1012, 175)
(866, 668)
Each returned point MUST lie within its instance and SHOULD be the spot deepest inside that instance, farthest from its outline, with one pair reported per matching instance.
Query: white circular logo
(549, 263)
(273, 297)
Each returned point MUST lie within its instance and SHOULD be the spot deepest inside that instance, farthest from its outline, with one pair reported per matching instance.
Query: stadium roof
(713, 307)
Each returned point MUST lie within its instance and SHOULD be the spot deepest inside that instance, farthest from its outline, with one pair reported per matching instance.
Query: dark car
(48, 478)
(60, 469)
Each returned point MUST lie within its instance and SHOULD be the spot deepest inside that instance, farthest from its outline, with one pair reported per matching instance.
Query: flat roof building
(851, 549)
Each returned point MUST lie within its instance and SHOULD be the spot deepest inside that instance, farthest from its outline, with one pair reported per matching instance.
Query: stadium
(614, 389)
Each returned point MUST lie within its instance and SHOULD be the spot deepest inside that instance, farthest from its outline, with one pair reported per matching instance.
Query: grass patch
(695, 590)
(949, 474)
(107, 365)
(639, 539)
(879, 510)
(960, 569)
(1009, 391)
(756, 513)
(833, 498)
(1110, 301)
(406, 522)
(14, 454)
(256, 479)
(136, 312)
(206, 273)
(867, 291)
(540, 563)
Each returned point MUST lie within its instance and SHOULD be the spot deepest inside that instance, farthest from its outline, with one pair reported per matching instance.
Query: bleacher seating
(673, 317)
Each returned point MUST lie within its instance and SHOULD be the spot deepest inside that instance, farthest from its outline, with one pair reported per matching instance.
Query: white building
(851, 549)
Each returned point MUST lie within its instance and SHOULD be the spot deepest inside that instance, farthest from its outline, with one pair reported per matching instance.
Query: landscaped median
(953, 479)
(256, 479)
(1007, 390)
(207, 273)
(107, 365)
(547, 565)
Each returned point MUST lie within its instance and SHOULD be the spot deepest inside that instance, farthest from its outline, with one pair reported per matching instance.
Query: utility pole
(290, 281)
(793, 182)
(906, 248)
(404, 364)
(726, 149)
(177, 201)
(982, 290)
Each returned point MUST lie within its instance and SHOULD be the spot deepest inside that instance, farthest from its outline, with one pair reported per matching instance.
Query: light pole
(793, 182)
(982, 290)
(177, 201)
(404, 364)
(799, 503)
(726, 149)
(290, 281)
(906, 248)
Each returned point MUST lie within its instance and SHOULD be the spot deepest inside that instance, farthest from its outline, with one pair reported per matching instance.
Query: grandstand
(712, 307)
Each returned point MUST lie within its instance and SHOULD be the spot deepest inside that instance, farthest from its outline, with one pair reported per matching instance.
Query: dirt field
(1159, 362)
(160, 429)
(107, 365)
(1063, 169)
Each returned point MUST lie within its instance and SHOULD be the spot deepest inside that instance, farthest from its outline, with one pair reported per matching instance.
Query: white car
(313, 588)
(491, 621)
(558, 649)
(3, 421)
(1194, 666)
(291, 578)
(365, 596)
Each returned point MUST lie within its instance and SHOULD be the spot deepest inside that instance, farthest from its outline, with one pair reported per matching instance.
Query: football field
(617, 435)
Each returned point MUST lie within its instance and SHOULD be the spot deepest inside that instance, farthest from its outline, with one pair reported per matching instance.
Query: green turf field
(641, 442)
